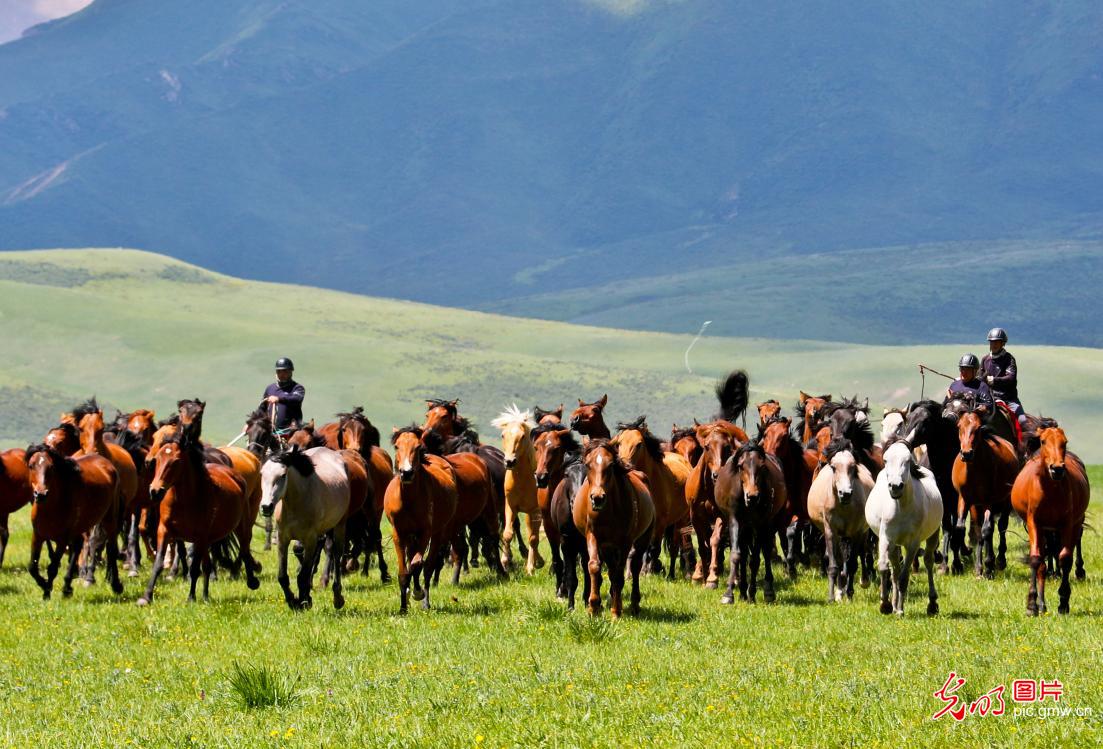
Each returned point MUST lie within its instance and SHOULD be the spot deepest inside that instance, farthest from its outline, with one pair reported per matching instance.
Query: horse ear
(312, 423)
(803, 397)
(827, 397)
(394, 430)
(580, 403)
(604, 400)
(695, 422)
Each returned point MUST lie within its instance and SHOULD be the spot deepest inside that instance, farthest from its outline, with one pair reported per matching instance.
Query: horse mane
(172, 421)
(748, 447)
(186, 442)
(1032, 441)
(191, 401)
(678, 434)
(413, 429)
(619, 466)
(539, 413)
(357, 415)
(914, 468)
(836, 446)
(88, 407)
(514, 416)
(732, 392)
(256, 417)
(71, 430)
(66, 466)
(297, 459)
(651, 443)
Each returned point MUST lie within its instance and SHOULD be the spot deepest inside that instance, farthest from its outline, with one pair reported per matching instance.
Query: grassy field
(501, 665)
(142, 330)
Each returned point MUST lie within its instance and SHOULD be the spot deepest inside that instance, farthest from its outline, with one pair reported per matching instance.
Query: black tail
(732, 392)
(227, 555)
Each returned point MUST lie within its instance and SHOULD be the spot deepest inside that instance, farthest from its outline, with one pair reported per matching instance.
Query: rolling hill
(143, 330)
(665, 155)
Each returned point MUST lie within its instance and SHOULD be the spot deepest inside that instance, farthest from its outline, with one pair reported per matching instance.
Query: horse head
(410, 453)
(752, 465)
(551, 446)
(588, 414)
(969, 426)
(717, 445)
(516, 425)
(844, 469)
(603, 468)
(1054, 446)
(684, 441)
(768, 411)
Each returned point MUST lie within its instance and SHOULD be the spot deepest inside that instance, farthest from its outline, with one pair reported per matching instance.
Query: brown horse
(201, 503)
(1051, 494)
(666, 477)
(190, 412)
(71, 496)
(15, 490)
(588, 419)
(419, 503)
(614, 512)
(555, 447)
(708, 521)
(984, 472)
(768, 411)
(65, 438)
(799, 466)
(552, 416)
(808, 414)
(750, 489)
(92, 442)
(443, 417)
(684, 442)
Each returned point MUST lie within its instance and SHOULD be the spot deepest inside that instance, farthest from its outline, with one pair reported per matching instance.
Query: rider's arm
(1008, 377)
(295, 396)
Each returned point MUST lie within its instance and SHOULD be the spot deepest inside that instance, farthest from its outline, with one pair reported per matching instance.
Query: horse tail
(733, 394)
(226, 553)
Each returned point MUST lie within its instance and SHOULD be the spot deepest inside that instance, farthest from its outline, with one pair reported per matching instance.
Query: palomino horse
(708, 521)
(520, 484)
(15, 490)
(798, 466)
(1051, 495)
(904, 509)
(750, 489)
(808, 414)
(613, 511)
(201, 503)
(419, 503)
(552, 416)
(768, 411)
(71, 496)
(984, 471)
(837, 506)
(666, 478)
(312, 492)
(555, 448)
(588, 419)
(684, 442)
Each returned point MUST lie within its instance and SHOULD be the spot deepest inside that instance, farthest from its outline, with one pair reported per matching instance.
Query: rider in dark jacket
(970, 384)
(285, 395)
(1001, 373)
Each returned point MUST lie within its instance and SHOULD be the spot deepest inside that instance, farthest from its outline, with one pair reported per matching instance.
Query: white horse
(891, 424)
(904, 510)
(837, 506)
(309, 493)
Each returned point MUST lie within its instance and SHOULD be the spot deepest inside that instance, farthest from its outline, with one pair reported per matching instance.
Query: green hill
(143, 330)
(475, 153)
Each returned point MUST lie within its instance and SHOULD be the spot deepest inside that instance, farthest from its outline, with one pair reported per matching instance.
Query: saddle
(1012, 418)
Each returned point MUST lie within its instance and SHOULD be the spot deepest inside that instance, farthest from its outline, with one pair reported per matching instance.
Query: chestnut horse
(750, 489)
(419, 503)
(768, 411)
(1051, 495)
(984, 471)
(520, 483)
(684, 442)
(15, 490)
(666, 477)
(201, 503)
(808, 414)
(65, 438)
(709, 523)
(588, 419)
(555, 448)
(70, 497)
(614, 512)
(798, 465)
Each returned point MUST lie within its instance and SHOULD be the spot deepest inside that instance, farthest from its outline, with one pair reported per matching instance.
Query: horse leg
(928, 561)
(1080, 573)
(267, 532)
(729, 594)
(905, 577)
(510, 526)
(54, 564)
(635, 565)
(616, 563)
(557, 565)
(832, 549)
(459, 554)
(987, 531)
(74, 548)
(883, 568)
(716, 553)
(3, 536)
(570, 571)
(699, 530)
(1001, 553)
(593, 601)
(377, 545)
(338, 543)
(756, 558)
(403, 572)
(158, 564)
(112, 571)
(792, 541)
(306, 571)
(850, 564)
(668, 538)
(283, 541)
(947, 540)
(195, 564)
(535, 561)
(767, 550)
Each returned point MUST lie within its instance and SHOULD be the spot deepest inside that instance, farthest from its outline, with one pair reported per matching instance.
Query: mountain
(650, 163)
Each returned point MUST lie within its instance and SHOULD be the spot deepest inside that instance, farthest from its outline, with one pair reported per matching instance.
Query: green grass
(505, 662)
(142, 330)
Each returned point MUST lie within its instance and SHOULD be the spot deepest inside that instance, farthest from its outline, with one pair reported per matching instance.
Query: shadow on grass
(8, 590)
(664, 615)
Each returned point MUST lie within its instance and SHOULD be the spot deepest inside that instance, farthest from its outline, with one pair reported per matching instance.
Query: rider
(969, 383)
(1001, 374)
(286, 395)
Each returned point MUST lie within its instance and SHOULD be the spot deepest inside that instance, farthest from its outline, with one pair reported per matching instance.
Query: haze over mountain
(648, 163)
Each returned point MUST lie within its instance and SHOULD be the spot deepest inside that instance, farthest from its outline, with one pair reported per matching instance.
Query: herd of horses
(817, 483)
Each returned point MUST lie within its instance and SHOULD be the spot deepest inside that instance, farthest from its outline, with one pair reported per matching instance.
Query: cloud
(58, 8)
(16, 16)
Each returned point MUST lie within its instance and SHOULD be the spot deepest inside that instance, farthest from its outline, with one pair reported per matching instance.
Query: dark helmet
(284, 363)
(997, 334)
(969, 360)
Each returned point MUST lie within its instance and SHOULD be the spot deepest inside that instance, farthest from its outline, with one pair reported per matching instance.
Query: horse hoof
(1081, 575)
(1001, 564)
(727, 599)
(1063, 608)
(252, 583)
(769, 597)
(384, 577)
(886, 608)
(117, 589)
(66, 592)
(87, 583)
(418, 594)
(338, 602)
(306, 604)
(711, 585)
(932, 608)
(132, 573)
(143, 601)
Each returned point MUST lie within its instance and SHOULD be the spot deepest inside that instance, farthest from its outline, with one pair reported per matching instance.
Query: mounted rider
(1001, 374)
(970, 385)
(285, 397)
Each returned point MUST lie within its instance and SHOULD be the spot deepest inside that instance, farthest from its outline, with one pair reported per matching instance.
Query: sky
(17, 15)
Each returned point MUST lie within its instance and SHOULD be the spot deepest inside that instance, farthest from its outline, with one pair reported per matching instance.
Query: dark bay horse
(572, 543)
(71, 496)
(984, 471)
(1051, 495)
(15, 490)
(613, 511)
(849, 421)
(555, 448)
(798, 466)
(588, 419)
(750, 488)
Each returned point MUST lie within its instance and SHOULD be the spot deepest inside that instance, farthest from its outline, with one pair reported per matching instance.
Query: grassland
(142, 330)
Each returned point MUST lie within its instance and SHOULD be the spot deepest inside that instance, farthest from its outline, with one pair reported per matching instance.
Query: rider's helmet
(997, 334)
(284, 363)
(969, 360)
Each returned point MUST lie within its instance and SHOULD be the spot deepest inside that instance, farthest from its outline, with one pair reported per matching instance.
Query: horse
(614, 513)
(798, 466)
(553, 416)
(588, 419)
(555, 448)
(520, 483)
(904, 509)
(201, 503)
(190, 411)
(442, 416)
(71, 497)
(768, 411)
(892, 424)
(666, 475)
(314, 497)
(984, 471)
(750, 490)
(684, 442)
(708, 521)
(15, 490)
(91, 427)
(1051, 495)
(419, 503)
(836, 505)
(572, 543)
(850, 421)
(926, 425)
(65, 438)
(808, 413)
